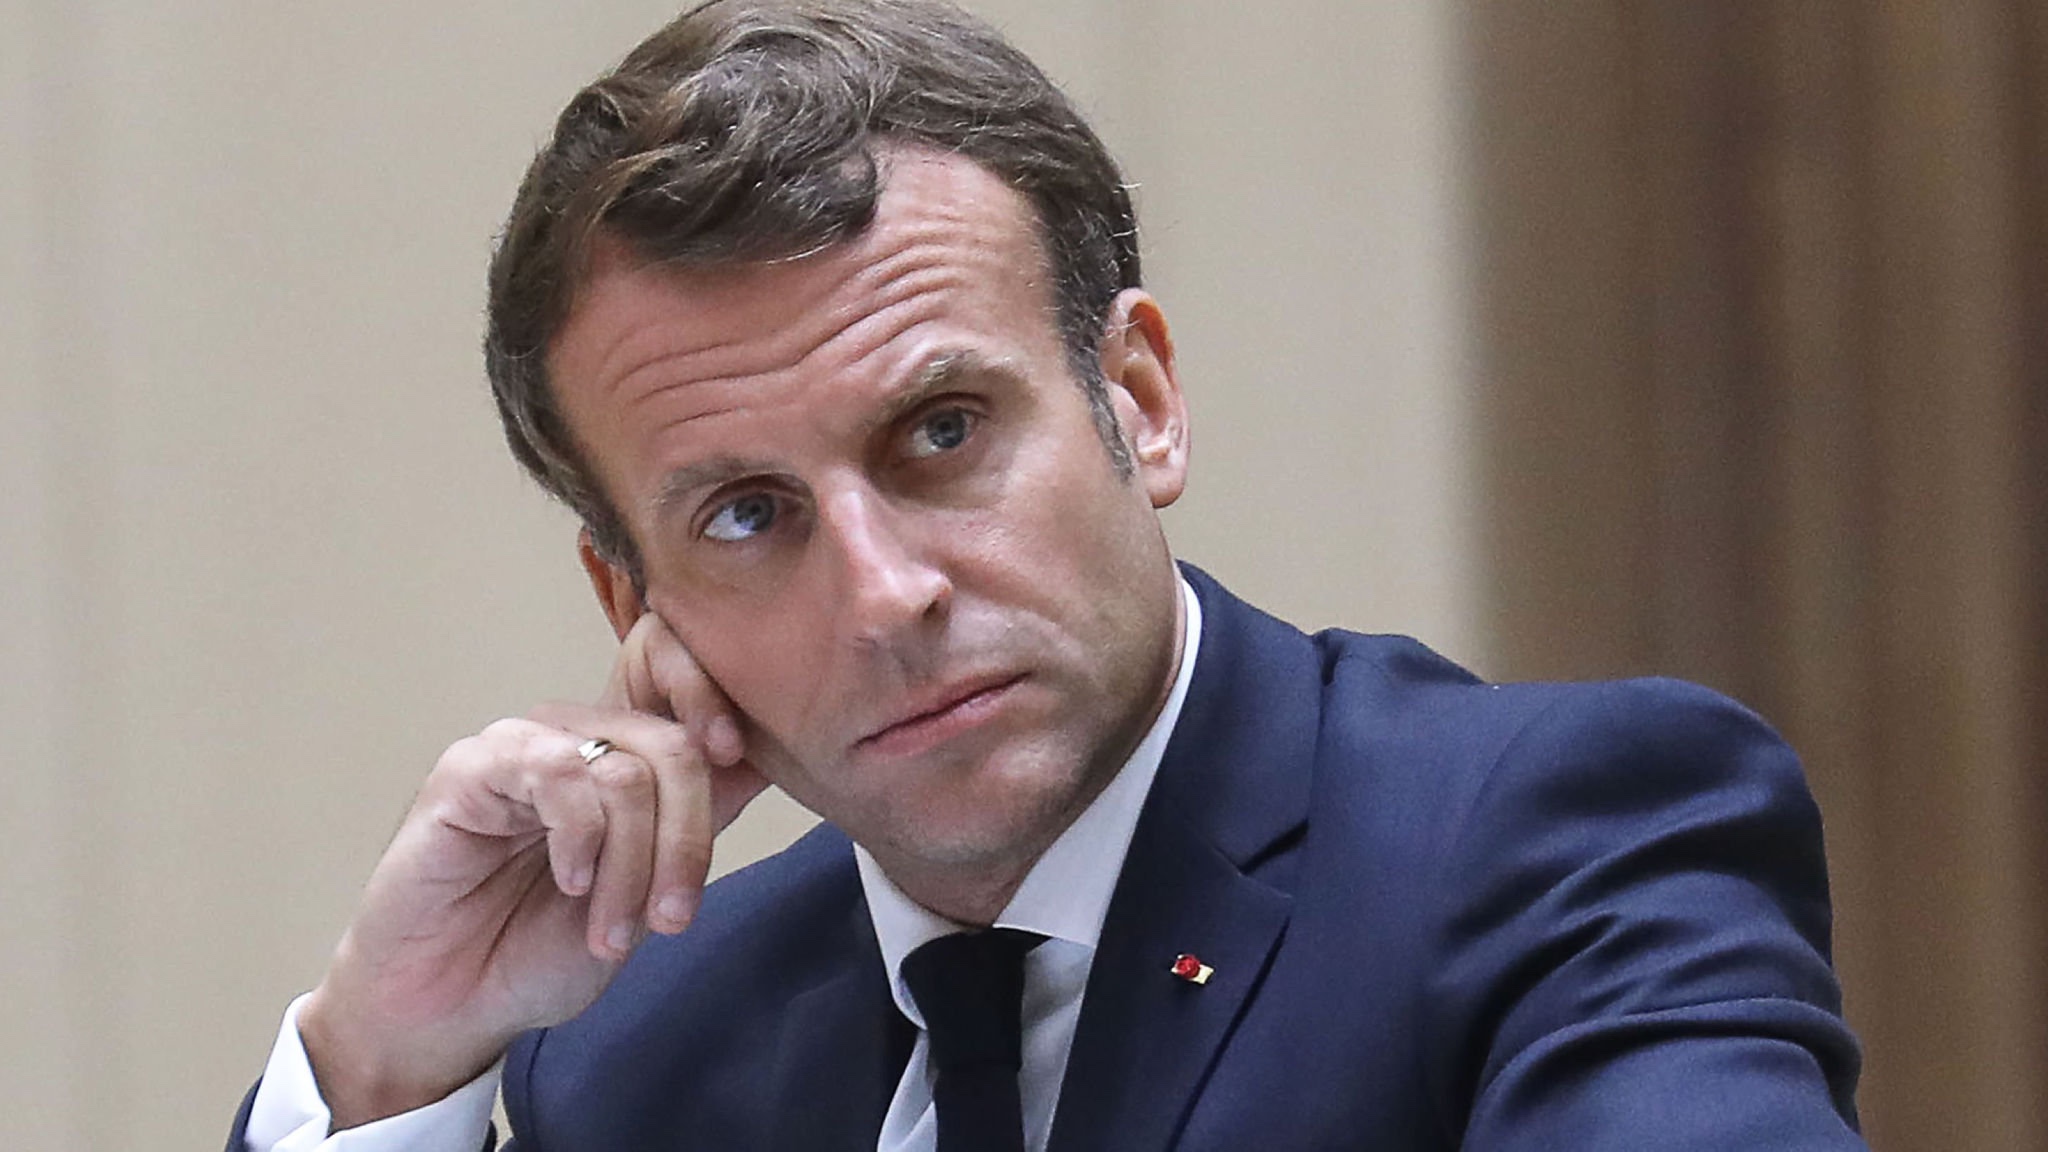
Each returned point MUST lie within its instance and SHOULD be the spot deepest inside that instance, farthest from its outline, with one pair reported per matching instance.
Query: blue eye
(743, 518)
(942, 431)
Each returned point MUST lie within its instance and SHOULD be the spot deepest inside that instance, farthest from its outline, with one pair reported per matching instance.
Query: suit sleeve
(1638, 948)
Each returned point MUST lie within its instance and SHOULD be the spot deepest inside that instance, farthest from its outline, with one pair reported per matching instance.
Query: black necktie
(970, 988)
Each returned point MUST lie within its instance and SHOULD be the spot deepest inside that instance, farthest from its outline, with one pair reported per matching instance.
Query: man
(826, 316)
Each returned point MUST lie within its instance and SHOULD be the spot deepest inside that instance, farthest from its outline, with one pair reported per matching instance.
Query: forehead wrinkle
(917, 268)
(620, 381)
(913, 297)
(911, 281)
(640, 327)
(916, 290)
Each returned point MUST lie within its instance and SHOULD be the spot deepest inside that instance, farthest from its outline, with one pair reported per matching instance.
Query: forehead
(941, 222)
(952, 258)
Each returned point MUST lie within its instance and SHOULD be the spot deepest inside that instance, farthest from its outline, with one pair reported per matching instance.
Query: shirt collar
(1066, 894)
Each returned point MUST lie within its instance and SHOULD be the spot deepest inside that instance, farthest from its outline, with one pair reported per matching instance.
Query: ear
(616, 592)
(1144, 386)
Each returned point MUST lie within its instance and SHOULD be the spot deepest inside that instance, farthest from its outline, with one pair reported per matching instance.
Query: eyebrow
(679, 484)
(942, 372)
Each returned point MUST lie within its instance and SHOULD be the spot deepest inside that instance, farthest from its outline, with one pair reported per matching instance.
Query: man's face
(870, 498)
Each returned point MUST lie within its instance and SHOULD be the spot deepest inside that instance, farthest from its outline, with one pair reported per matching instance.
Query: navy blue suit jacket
(1442, 914)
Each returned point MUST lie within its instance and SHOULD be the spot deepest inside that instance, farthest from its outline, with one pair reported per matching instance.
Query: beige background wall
(262, 552)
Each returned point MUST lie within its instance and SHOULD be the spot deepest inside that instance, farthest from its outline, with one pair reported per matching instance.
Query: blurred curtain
(1764, 317)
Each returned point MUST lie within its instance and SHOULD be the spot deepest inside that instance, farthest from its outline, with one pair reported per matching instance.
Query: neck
(973, 897)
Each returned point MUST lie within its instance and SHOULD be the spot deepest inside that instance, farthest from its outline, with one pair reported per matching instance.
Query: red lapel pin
(1191, 969)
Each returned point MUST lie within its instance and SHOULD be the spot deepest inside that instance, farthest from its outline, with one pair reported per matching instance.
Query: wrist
(365, 1075)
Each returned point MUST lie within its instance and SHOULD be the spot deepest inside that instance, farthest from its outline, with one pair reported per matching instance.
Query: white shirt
(1064, 898)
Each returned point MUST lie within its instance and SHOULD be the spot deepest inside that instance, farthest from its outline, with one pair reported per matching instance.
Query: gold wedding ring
(590, 750)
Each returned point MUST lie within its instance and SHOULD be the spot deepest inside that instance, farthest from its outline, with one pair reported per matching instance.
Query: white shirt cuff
(289, 1116)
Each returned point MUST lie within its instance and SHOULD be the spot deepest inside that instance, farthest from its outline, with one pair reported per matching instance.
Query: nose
(890, 586)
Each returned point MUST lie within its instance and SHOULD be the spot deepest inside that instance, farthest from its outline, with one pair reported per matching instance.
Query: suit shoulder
(1638, 850)
(1647, 736)
(1455, 756)
(1392, 698)
(1400, 687)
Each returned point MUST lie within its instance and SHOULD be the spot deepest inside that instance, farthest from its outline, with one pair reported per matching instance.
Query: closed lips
(953, 699)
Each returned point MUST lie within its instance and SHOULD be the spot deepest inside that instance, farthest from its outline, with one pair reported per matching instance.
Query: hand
(523, 877)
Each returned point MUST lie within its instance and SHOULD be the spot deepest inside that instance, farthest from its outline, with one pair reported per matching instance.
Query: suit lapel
(1147, 1038)
(843, 1049)
(1206, 875)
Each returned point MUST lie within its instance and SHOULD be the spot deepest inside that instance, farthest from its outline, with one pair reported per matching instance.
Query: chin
(1007, 809)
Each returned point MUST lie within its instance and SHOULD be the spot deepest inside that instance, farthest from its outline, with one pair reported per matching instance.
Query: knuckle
(620, 772)
(552, 770)
(458, 755)
(465, 759)
(511, 733)
(575, 835)
(560, 786)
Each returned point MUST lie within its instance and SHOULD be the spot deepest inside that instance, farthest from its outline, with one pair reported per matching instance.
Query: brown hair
(749, 130)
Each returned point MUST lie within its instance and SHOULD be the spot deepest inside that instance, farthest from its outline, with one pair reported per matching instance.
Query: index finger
(656, 674)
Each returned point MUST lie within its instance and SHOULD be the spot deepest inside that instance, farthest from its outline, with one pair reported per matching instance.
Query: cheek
(757, 659)
(1091, 523)
(1076, 547)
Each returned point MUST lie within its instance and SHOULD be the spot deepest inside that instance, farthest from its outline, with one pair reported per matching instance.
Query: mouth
(957, 710)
